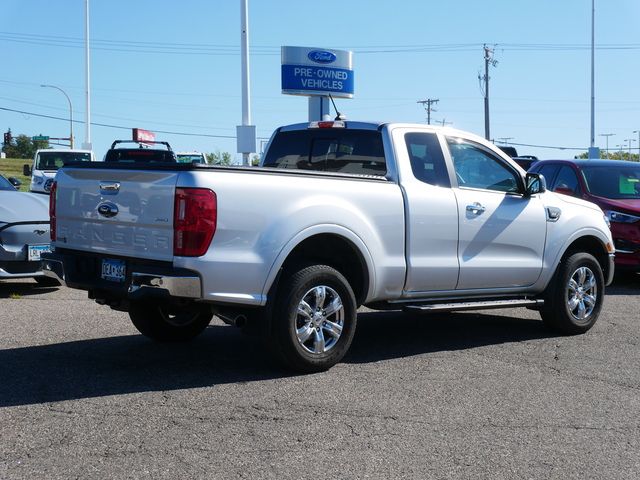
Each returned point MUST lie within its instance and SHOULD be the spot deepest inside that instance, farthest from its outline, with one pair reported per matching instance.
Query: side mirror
(14, 181)
(535, 183)
(26, 170)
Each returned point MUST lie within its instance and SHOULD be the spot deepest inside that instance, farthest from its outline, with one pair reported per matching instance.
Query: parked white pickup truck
(339, 214)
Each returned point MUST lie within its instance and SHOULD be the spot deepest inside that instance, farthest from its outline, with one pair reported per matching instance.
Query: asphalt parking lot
(474, 395)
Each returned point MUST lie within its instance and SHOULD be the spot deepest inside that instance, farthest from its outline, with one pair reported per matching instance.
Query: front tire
(166, 323)
(314, 319)
(574, 297)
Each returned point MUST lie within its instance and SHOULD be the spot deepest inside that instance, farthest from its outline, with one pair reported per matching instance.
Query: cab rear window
(357, 152)
(135, 155)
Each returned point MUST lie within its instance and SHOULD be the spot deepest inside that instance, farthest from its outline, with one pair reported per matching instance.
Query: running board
(480, 305)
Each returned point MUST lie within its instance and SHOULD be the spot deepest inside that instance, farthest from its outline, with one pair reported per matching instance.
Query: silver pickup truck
(338, 215)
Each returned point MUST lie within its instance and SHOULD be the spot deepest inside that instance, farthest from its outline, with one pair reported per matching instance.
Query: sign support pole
(319, 109)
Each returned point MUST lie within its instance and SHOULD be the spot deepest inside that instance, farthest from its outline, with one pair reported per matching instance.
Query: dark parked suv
(611, 184)
(140, 153)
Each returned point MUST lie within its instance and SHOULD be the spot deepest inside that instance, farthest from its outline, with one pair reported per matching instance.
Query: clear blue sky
(175, 66)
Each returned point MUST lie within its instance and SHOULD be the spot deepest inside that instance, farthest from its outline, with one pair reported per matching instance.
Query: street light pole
(70, 112)
(628, 145)
(607, 135)
(87, 80)
(593, 151)
(638, 132)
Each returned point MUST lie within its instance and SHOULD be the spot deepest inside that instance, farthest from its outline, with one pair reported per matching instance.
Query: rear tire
(169, 324)
(574, 297)
(314, 319)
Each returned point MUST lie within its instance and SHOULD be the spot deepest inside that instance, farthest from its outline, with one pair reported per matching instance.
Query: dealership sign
(143, 136)
(317, 71)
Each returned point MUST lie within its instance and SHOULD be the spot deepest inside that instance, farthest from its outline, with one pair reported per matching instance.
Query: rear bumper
(19, 269)
(159, 279)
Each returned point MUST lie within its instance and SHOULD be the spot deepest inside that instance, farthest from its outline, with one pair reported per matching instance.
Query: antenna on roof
(339, 116)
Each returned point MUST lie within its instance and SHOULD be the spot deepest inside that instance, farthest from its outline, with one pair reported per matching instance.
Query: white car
(46, 163)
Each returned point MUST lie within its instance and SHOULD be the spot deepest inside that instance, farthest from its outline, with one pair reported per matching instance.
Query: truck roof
(58, 150)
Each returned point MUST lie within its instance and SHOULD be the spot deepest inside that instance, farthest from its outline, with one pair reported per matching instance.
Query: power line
(121, 127)
(132, 46)
(547, 146)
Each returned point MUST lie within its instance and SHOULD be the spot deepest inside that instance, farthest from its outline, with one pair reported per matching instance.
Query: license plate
(35, 251)
(113, 270)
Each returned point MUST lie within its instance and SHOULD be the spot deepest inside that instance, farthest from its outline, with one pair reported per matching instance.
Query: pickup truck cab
(46, 163)
(340, 214)
(148, 152)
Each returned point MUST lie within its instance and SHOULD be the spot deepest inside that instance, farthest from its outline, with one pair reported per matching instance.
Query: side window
(549, 171)
(477, 168)
(427, 161)
(566, 182)
(328, 150)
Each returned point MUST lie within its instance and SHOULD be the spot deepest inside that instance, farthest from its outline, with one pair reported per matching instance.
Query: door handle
(475, 208)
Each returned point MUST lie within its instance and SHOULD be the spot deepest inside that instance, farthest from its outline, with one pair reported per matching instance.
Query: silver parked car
(24, 233)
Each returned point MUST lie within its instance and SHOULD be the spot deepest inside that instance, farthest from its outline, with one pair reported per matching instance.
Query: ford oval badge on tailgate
(321, 56)
(108, 209)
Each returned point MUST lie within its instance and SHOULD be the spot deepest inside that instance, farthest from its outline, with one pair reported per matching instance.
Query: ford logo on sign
(321, 56)
(108, 209)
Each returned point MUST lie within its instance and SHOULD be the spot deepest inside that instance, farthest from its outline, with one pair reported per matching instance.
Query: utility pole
(638, 132)
(607, 135)
(505, 140)
(488, 59)
(428, 106)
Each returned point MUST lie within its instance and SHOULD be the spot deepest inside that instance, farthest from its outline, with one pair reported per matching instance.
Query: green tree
(611, 155)
(219, 158)
(23, 147)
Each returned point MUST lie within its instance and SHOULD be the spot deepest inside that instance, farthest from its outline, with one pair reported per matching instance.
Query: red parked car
(614, 185)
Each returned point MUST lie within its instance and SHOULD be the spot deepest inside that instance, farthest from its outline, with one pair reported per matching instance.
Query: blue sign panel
(317, 71)
(305, 79)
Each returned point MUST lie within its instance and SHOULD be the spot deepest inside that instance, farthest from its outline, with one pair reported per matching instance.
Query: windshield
(190, 158)
(615, 182)
(55, 160)
(5, 184)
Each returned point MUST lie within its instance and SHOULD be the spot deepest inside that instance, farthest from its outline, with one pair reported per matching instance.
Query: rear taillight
(52, 210)
(195, 214)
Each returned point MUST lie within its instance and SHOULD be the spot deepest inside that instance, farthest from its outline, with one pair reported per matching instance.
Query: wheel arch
(334, 246)
(593, 245)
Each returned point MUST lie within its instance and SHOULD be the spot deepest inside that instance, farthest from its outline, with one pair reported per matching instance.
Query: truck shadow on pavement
(388, 335)
(221, 355)
(23, 289)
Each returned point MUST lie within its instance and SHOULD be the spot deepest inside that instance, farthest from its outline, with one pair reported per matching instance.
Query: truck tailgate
(123, 212)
